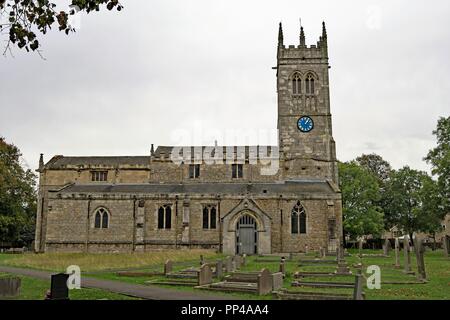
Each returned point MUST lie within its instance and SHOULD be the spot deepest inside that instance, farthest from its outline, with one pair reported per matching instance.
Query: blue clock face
(305, 124)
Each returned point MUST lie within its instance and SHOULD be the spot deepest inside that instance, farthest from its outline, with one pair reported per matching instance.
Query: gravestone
(407, 256)
(358, 289)
(228, 264)
(10, 286)
(244, 259)
(238, 261)
(397, 253)
(282, 267)
(360, 246)
(386, 247)
(277, 281)
(202, 261)
(205, 275)
(168, 267)
(58, 287)
(446, 245)
(264, 282)
(420, 250)
(219, 269)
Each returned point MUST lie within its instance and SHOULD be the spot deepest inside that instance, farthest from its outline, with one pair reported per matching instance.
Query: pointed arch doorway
(246, 235)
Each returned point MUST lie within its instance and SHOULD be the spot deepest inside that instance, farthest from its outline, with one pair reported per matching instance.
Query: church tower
(307, 147)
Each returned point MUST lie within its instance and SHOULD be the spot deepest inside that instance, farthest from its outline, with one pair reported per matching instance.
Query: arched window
(101, 218)
(309, 84)
(165, 217)
(98, 220)
(298, 219)
(209, 217)
(296, 84)
(161, 218)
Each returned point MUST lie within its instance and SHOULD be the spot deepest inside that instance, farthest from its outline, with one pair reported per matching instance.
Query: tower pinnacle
(280, 36)
(302, 37)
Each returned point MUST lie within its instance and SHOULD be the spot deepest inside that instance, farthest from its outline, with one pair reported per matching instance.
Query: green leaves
(17, 196)
(360, 193)
(23, 16)
(439, 158)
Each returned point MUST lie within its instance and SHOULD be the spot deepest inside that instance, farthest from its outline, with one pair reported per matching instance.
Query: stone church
(238, 205)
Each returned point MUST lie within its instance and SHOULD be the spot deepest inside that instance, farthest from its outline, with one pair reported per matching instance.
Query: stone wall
(70, 224)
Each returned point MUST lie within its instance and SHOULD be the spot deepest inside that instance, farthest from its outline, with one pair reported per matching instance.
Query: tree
(17, 197)
(360, 192)
(381, 169)
(439, 158)
(414, 201)
(376, 165)
(432, 211)
(21, 19)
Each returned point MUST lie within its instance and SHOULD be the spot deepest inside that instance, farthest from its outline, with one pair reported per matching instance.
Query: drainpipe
(176, 221)
(42, 238)
(220, 226)
(281, 222)
(133, 245)
(88, 224)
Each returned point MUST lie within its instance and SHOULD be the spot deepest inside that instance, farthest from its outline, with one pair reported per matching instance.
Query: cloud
(129, 79)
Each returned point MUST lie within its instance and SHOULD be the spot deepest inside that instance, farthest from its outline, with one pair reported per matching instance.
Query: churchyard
(297, 276)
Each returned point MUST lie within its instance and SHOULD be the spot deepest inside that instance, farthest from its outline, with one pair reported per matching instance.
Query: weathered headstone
(282, 267)
(58, 287)
(406, 250)
(238, 261)
(205, 275)
(386, 247)
(446, 245)
(419, 248)
(264, 282)
(228, 264)
(202, 260)
(168, 267)
(10, 286)
(358, 289)
(397, 253)
(219, 269)
(244, 259)
(277, 281)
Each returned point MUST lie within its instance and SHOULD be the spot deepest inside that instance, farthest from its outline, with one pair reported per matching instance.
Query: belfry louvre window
(309, 84)
(296, 84)
(298, 219)
(99, 175)
(194, 171)
(165, 217)
(237, 170)
(101, 219)
(209, 217)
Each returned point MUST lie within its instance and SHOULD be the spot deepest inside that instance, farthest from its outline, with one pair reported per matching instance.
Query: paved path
(135, 290)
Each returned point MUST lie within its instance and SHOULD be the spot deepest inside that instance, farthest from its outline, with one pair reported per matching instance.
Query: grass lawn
(101, 265)
(35, 289)
(102, 261)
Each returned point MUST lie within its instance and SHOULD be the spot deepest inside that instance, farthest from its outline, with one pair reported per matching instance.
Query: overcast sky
(202, 68)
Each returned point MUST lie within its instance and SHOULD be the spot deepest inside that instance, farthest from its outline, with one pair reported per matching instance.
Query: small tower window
(237, 170)
(309, 84)
(296, 84)
(99, 175)
(194, 171)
